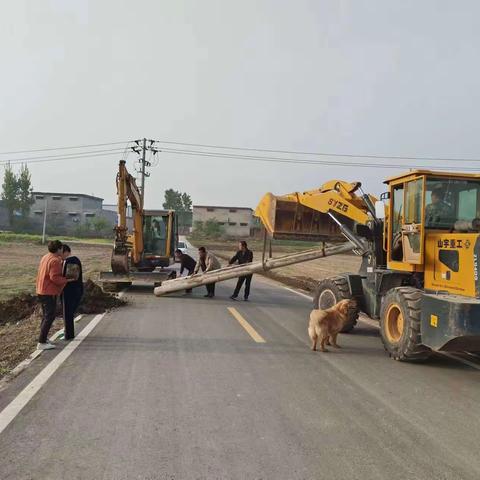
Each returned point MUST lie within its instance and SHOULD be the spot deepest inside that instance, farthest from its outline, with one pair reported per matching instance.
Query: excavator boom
(127, 190)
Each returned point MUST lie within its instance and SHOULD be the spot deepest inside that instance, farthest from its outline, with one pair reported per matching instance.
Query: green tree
(178, 201)
(10, 192)
(100, 225)
(187, 202)
(212, 229)
(198, 229)
(24, 191)
(173, 200)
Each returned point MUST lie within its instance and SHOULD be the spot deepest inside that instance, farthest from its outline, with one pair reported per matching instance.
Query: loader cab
(425, 204)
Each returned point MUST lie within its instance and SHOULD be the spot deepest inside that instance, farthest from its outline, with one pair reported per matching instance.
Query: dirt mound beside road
(23, 306)
(95, 300)
(17, 308)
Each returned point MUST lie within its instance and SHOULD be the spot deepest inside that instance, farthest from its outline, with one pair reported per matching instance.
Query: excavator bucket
(119, 262)
(285, 218)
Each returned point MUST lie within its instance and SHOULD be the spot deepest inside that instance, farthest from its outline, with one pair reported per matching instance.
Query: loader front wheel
(400, 325)
(329, 292)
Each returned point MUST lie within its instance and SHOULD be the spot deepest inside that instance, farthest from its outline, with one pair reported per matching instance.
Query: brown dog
(326, 324)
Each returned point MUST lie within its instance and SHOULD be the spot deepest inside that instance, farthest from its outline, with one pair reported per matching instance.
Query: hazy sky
(391, 77)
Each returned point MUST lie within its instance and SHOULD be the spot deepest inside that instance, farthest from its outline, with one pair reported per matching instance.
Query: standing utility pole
(141, 149)
(44, 222)
(144, 153)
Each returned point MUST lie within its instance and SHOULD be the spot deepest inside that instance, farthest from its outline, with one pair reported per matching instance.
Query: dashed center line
(250, 330)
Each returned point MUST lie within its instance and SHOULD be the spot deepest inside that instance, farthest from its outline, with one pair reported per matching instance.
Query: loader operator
(438, 212)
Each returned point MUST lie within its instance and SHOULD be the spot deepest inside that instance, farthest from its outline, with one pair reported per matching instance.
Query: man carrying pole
(207, 262)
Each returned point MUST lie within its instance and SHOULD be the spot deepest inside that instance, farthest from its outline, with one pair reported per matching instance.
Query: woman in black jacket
(73, 291)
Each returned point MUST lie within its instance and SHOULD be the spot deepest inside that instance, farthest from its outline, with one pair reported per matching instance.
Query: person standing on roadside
(207, 262)
(244, 255)
(186, 263)
(73, 291)
(50, 283)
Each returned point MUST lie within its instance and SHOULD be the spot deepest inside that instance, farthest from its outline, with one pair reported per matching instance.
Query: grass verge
(9, 237)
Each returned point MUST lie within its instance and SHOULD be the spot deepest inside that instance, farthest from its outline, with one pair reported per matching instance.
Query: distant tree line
(208, 229)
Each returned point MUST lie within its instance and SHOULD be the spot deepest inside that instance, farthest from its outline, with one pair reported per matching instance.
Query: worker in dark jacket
(186, 263)
(244, 255)
(73, 291)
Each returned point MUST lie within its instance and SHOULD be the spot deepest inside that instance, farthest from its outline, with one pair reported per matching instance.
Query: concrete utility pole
(144, 154)
(44, 222)
(141, 149)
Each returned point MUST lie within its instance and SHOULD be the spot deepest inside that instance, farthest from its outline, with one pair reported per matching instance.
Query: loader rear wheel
(400, 325)
(329, 292)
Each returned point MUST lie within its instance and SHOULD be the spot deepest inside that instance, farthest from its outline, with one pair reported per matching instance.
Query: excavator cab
(160, 237)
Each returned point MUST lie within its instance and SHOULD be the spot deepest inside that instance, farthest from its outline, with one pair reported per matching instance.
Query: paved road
(176, 388)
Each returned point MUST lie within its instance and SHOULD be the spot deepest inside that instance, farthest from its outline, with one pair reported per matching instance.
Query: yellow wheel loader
(419, 246)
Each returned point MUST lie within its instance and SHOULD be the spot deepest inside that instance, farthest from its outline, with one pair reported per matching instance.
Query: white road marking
(298, 293)
(60, 332)
(35, 354)
(19, 402)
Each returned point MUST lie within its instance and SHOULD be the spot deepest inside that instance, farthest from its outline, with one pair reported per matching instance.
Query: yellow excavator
(146, 253)
(420, 249)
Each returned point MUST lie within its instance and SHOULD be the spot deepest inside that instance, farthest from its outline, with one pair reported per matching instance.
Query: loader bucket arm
(308, 215)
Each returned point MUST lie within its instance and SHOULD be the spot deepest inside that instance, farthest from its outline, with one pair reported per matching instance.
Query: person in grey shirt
(207, 262)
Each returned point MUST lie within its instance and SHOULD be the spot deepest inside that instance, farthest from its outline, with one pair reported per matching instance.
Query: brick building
(67, 211)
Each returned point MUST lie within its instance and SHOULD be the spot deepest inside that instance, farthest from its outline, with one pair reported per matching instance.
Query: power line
(306, 161)
(62, 158)
(257, 158)
(322, 154)
(63, 155)
(249, 149)
(14, 152)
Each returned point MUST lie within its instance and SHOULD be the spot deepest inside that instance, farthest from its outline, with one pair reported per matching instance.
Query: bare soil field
(19, 263)
(303, 275)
